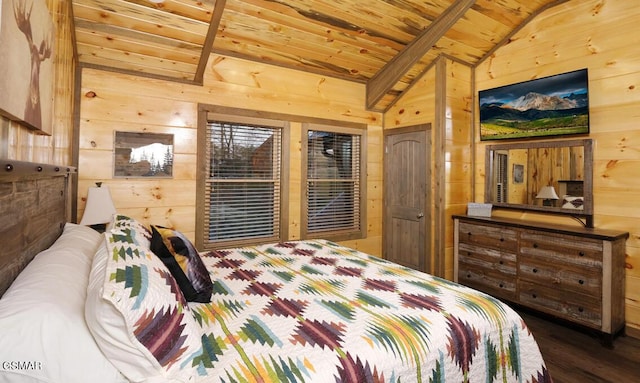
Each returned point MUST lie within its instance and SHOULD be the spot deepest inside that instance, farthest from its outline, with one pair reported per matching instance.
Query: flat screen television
(549, 106)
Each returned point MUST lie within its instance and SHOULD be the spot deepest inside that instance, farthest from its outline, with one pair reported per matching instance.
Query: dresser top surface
(597, 233)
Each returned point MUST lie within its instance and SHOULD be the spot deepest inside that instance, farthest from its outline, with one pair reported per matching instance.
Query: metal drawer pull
(501, 239)
(581, 253)
(580, 309)
(535, 245)
(535, 270)
(534, 296)
(580, 281)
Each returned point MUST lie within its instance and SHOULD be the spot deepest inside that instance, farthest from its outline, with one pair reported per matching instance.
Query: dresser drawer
(490, 270)
(491, 236)
(487, 258)
(582, 280)
(498, 284)
(580, 308)
(554, 248)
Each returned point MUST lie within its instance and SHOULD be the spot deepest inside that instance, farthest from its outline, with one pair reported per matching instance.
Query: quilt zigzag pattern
(315, 311)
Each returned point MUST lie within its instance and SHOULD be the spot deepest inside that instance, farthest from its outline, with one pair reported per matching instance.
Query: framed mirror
(552, 176)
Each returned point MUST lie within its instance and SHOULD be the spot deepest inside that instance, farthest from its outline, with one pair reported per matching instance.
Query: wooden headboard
(34, 206)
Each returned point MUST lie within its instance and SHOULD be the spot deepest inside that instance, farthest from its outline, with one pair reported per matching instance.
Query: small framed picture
(518, 173)
(143, 155)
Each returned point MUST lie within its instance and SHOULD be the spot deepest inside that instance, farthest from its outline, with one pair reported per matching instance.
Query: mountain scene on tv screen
(558, 109)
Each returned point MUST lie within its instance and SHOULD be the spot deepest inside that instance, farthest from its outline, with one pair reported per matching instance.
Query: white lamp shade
(547, 192)
(99, 208)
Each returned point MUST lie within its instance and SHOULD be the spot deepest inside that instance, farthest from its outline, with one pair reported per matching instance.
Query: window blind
(502, 177)
(333, 182)
(242, 191)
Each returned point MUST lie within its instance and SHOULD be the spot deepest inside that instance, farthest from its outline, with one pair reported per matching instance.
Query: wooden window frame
(240, 116)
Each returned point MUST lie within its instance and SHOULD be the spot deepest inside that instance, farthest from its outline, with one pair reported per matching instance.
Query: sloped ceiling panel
(355, 40)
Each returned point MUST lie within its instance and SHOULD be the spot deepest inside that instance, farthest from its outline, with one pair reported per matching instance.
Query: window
(242, 187)
(502, 177)
(334, 172)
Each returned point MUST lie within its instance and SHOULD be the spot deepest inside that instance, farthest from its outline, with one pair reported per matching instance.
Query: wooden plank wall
(452, 162)
(458, 151)
(601, 36)
(112, 102)
(24, 144)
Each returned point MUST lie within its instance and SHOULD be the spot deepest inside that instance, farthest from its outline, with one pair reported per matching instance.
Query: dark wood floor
(578, 356)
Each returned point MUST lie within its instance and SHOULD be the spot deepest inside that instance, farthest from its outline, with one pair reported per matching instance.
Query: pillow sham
(138, 315)
(42, 322)
(137, 231)
(184, 263)
(572, 202)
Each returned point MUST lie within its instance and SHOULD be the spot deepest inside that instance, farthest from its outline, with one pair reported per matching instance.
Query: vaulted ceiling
(385, 44)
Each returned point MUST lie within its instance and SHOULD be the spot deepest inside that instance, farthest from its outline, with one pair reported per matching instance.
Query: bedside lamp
(547, 194)
(99, 208)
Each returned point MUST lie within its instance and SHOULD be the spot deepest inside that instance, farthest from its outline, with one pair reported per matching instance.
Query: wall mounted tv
(549, 106)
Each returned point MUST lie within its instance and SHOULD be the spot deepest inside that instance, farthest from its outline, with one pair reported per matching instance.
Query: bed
(140, 304)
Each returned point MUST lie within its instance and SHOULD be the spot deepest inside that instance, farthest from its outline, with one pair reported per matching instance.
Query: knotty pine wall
(17, 142)
(111, 102)
(451, 136)
(603, 36)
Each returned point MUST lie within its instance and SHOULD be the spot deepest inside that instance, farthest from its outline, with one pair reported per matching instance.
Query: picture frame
(143, 155)
(549, 106)
(27, 50)
(518, 173)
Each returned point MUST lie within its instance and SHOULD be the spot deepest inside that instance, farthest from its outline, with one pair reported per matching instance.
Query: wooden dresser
(573, 273)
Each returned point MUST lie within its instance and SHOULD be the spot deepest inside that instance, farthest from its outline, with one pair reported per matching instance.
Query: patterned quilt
(315, 311)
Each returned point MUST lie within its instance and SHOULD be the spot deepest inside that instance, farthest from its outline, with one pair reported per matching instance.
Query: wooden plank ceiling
(385, 44)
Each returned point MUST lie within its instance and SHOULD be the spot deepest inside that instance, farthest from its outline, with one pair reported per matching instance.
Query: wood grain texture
(394, 69)
(486, 258)
(575, 35)
(111, 101)
(388, 44)
(573, 274)
(34, 208)
(407, 196)
(454, 158)
(574, 355)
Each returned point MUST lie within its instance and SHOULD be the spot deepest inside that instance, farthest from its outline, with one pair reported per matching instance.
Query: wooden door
(407, 214)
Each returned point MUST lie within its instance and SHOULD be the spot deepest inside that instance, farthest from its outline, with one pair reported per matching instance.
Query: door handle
(420, 215)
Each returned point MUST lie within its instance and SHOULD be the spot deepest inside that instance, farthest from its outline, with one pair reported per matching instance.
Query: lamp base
(548, 202)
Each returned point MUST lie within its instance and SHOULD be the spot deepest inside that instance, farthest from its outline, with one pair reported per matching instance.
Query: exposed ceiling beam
(393, 71)
(208, 42)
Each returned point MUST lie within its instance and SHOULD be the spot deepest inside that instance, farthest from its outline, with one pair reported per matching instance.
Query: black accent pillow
(184, 263)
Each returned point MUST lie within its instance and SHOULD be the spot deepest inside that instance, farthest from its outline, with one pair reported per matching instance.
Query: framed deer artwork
(27, 36)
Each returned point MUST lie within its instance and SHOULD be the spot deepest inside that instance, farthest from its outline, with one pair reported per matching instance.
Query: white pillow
(43, 334)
